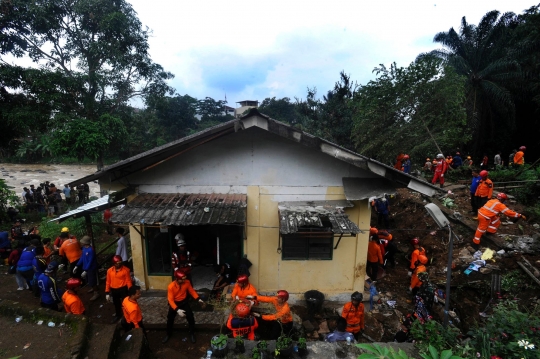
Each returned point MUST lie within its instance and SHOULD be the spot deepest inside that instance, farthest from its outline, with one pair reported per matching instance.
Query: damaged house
(296, 206)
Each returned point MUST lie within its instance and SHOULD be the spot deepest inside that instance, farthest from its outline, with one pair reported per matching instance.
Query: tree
(480, 53)
(280, 109)
(93, 53)
(175, 116)
(403, 108)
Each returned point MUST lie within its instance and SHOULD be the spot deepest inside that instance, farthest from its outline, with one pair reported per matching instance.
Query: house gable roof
(254, 118)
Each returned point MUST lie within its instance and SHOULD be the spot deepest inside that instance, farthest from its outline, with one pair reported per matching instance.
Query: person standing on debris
(497, 161)
(383, 210)
(71, 249)
(440, 170)
(72, 302)
(457, 161)
(398, 165)
(50, 294)
(427, 166)
(420, 267)
(484, 163)
(468, 162)
(340, 334)
(519, 157)
(177, 296)
(243, 289)
(132, 311)
(282, 314)
(406, 164)
(353, 312)
(511, 158)
(484, 191)
(88, 264)
(374, 257)
(472, 189)
(117, 284)
(390, 249)
(417, 252)
(488, 217)
(242, 323)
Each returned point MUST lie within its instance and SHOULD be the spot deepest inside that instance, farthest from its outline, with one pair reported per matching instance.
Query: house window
(158, 252)
(309, 244)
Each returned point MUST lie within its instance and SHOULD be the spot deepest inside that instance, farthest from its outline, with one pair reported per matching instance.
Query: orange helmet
(283, 294)
(373, 231)
(242, 310)
(422, 259)
(73, 283)
(242, 279)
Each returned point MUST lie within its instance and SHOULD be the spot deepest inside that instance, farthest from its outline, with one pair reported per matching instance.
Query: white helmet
(440, 155)
(180, 240)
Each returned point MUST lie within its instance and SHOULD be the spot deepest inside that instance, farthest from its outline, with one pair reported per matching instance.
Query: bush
(432, 333)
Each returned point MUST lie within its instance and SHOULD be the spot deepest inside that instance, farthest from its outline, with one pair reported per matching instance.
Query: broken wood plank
(528, 272)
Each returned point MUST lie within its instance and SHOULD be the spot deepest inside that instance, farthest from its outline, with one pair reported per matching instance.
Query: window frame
(313, 238)
(149, 271)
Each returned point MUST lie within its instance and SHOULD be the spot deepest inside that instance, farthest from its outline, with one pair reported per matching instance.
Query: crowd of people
(47, 198)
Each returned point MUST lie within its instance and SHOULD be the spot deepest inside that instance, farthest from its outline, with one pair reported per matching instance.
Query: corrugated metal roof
(183, 209)
(295, 215)
(91, 207)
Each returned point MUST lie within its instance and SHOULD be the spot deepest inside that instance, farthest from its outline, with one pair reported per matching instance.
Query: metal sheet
(293, 216)
(97, 205)
(361, 188)
(184, 209)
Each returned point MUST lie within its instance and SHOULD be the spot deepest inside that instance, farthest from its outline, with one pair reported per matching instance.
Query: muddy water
(23, 175)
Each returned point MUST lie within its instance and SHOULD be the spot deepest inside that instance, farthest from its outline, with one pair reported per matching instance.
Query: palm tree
(480, 53)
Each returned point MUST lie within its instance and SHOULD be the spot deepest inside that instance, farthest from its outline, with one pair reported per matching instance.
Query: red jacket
(354, 317)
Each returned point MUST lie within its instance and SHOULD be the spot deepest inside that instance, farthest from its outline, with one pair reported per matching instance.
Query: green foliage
(280, 109)
(77, 226)
(513, 281)
(432, 333)
(434, 354)
(8, 198)
(375, 351)
(283, 342)
(530, 190)
(403, 108)
(505, 330)
(219, 341)
(302, 343)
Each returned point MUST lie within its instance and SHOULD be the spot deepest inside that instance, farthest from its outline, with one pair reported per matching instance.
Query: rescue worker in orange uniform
(178, 293)
(353, 312)
(72, 302)
(488, 217)
(242, 323)
(390, 249)
(374, 257)
(282, 315)
(117, 284)
(132, 311)
(398, 166)
(417, 252)
(519, 157)
(484, 191)
(427, 165)
(71, 249)
(243, 289)
(440, 170)
(420, 267)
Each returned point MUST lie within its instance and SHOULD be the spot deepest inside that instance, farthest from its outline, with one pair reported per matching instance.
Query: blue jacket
(382, 207)
(88, 259)
(407, 166)
(27, 256)
(39, 264)
(49, 292)
(458, 162)
(474, 184)
(4, 240)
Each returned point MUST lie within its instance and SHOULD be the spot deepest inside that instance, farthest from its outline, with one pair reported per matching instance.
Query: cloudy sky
(250, 50)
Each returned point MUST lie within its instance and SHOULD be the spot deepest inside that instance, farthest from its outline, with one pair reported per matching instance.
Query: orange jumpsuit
(488, 218)
(248, 327)
(398, 164)
(519, 158)
(414, 256)
(132, 312)
(440, 170)
(242, 293)
(72, 303)
(354, 317)
(484, 192)
(415, 281)
(71, 248)
(283, 312)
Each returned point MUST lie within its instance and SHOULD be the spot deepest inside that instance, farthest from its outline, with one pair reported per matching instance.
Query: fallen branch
(528, 272)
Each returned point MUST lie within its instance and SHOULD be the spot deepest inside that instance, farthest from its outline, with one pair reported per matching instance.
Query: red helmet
(502, 196)
(73, 283)
(117, 259)
(415, 241)
(283, 294)
(422, 259)
(242, 279)
(522, 148)
(373, 231)
(242, 310)
(180, 274)
(406, 157)
(484, 173)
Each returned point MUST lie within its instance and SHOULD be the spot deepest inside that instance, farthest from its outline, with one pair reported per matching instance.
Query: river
(23, 175)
